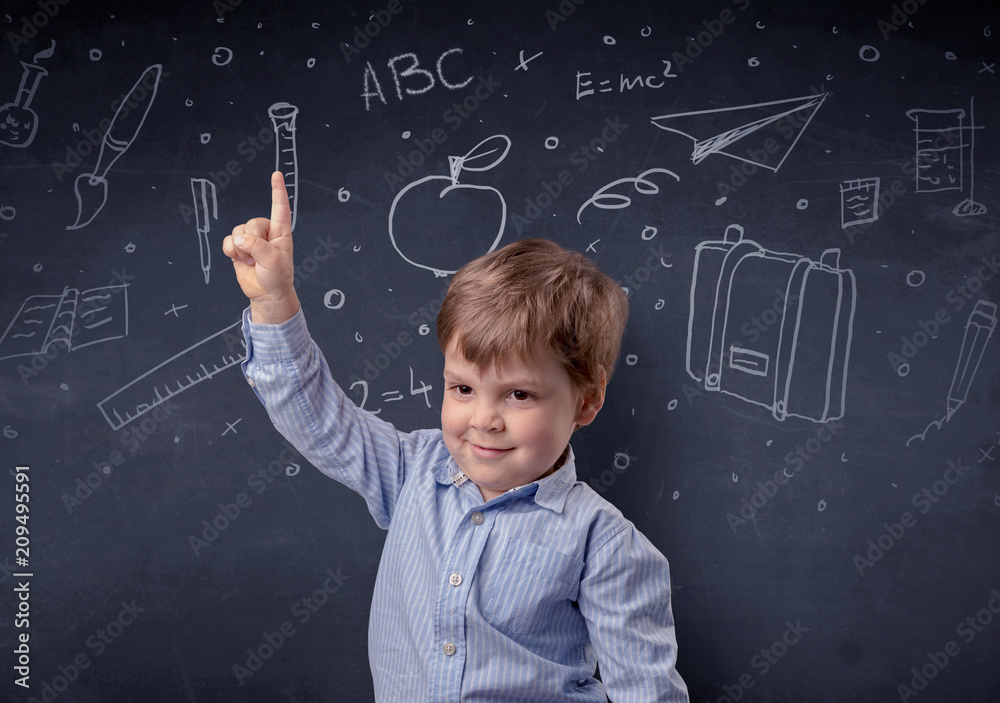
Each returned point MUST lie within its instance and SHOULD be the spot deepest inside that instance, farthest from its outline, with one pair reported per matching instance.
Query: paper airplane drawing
(785, 118)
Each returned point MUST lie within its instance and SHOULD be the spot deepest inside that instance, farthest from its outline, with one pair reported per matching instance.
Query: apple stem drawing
(286, 159)
(91, 189)
(18, 121)
(480, 158)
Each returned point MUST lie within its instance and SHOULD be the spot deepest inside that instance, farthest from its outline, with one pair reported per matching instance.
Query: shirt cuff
(272, 343)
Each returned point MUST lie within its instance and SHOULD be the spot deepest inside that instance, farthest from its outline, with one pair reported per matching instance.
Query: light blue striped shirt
(514, 599)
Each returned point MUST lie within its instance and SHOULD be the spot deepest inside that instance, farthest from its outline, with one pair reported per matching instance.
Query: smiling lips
(486, 452)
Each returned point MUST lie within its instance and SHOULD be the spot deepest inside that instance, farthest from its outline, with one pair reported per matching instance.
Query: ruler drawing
(197, 363)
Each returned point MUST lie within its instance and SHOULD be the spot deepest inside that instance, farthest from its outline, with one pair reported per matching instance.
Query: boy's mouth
(486, 452)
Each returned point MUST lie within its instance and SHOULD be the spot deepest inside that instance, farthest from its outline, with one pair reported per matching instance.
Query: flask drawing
(285, 159)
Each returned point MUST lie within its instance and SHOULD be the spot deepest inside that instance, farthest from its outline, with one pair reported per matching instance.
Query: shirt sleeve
(291, 378)
(625, 600)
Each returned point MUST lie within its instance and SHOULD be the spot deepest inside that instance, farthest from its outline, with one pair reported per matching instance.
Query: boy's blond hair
(530, 293)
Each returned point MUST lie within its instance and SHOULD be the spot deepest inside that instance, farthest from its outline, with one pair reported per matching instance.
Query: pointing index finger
(281, 211)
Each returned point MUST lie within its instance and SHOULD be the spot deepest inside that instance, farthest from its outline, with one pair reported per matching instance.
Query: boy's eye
(520, 395)
(464, 390)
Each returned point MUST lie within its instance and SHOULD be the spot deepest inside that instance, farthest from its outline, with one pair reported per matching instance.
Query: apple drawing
(441, 219)
(18, 121)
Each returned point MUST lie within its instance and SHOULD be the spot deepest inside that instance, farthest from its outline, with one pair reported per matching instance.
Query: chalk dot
(76, 126)
(843, 457)
(631, 359)
(821, 506)
(753, 62)
(677, 494)
(915, 278)
(672, 405)
(660, 302)
(334, 299)
(609, 40)
(189, 102)
(406, 134)
(903, 369)
(802, 204)
(205, 137)
(95, 54)
(735, 478)
(315, 25)
(645, 31)
(130, 248)
(986, 32)
(950, 56)
(177, 439)
(720, 200)
(648, 232)
(769, 442)
(760, 25)
(358, 337)
(7, 212)
(64, 386)
(107, 469)
(868, 53)
(310, 63)
(343, 195)
(36, 268)
(470, 22)
(551, 142)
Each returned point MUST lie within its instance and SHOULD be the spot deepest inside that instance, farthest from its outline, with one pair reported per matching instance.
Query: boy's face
(507, 429)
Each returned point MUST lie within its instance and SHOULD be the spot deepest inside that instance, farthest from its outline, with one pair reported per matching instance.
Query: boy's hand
(261, 251)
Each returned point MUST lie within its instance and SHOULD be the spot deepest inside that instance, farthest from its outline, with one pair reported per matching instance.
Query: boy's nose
(486, 418)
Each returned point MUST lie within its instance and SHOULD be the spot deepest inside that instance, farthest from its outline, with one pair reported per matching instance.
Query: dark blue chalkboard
(801, 202)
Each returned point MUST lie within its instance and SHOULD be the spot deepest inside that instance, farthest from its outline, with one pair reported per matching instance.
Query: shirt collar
(552, 490)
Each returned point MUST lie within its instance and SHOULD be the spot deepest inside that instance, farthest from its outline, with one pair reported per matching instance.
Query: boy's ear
(593, 401)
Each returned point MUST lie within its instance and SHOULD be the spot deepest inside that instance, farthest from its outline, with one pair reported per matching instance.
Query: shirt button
(455, 579)
(477, 517)
(448, 648)
(250, 381)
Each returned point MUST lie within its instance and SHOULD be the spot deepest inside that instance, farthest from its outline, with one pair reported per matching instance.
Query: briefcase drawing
(772, 328)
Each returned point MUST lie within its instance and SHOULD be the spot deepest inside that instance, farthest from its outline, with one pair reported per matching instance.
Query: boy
(503, 578)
